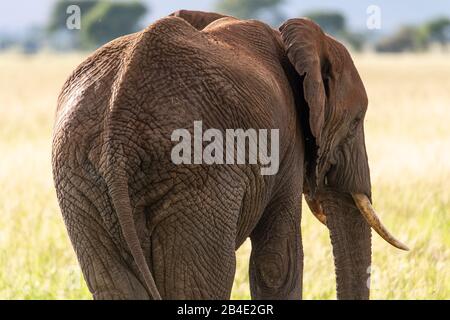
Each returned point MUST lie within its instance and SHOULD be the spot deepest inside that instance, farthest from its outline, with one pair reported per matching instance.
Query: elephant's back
(141, 87)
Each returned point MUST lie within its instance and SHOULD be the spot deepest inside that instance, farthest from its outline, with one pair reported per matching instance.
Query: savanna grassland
(408, 140)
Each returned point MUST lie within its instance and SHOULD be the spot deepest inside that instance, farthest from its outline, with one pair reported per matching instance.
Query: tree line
(103, 21)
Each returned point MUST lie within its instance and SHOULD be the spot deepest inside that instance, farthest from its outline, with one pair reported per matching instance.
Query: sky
(19, 15)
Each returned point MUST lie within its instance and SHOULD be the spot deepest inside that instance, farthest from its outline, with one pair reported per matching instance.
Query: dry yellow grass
(408, 139)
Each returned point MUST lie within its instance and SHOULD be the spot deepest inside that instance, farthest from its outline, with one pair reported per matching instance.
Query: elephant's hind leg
(108, 275)
(193, 253)
(107, 269)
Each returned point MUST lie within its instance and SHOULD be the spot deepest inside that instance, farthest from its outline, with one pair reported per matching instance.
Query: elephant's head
(337, 186)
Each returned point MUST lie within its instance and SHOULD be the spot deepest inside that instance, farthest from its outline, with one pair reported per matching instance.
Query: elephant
(143, 227)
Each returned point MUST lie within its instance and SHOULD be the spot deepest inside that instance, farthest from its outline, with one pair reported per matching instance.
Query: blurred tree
(332, 22)
(407, 38)
(109, 20)
(415, 38)
(58, 16)
(6, 41)
(438, 30)
(266, 10)
(101, 21)
(354, 39)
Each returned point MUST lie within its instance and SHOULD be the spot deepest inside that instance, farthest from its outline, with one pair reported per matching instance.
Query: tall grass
(408, 140)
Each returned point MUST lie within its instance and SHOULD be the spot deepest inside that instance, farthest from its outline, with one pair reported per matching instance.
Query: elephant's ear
(198, 19)
(306, 48)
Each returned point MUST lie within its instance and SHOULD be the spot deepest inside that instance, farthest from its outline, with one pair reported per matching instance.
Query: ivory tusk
(366, 209)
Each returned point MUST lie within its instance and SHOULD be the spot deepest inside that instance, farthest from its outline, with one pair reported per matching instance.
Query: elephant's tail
(118, 189)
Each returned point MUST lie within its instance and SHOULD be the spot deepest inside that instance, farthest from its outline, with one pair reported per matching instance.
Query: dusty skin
(111, 169)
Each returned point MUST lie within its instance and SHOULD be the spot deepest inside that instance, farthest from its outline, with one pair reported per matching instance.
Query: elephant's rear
(112, 159)
(109, 149)
(83, 195)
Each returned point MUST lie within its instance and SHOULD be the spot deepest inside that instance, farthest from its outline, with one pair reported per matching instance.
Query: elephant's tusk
(316, 209)
(366, 209)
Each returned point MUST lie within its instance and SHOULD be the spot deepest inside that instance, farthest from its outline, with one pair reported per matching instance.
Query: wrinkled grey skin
(134, 217)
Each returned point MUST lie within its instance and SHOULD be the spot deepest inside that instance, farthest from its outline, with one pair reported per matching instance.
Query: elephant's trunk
(351, 240)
